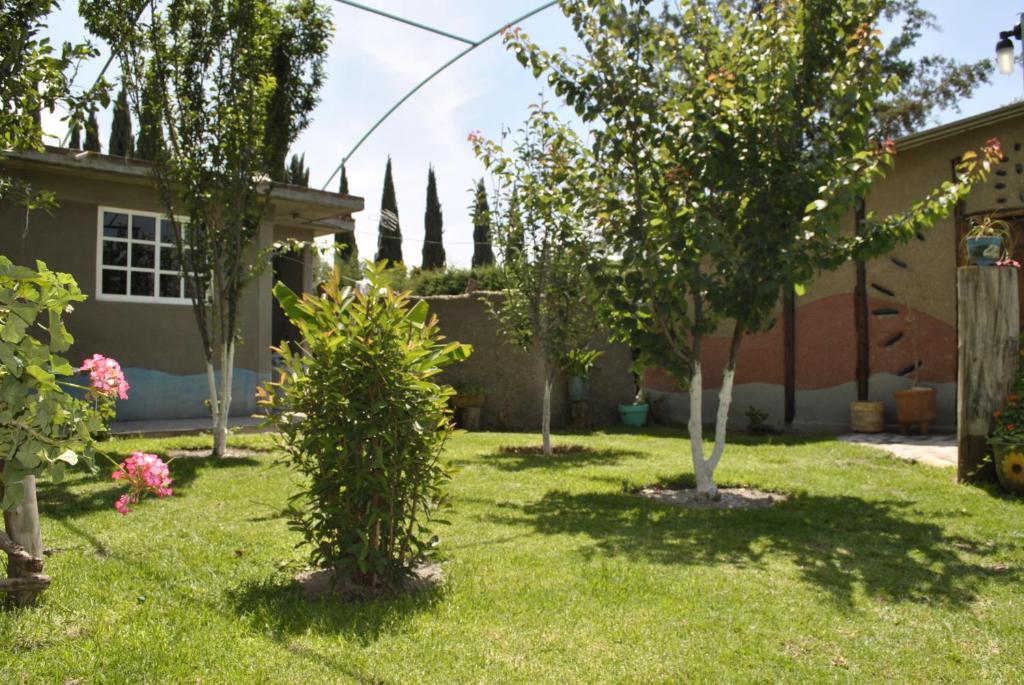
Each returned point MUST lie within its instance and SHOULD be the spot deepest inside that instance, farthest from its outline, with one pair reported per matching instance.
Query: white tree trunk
(722, 419)
(220, 434)
(545, 424)
(701, 471)
(22, 525)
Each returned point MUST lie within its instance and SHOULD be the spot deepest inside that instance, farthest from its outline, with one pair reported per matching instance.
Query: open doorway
(288, 269)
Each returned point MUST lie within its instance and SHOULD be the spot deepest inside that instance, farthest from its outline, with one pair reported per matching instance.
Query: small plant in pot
(916, 405)
(635, 413)
(578, 365)
(988, 242)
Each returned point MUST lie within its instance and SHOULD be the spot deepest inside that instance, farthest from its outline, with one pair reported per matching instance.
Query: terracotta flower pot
(915, 407)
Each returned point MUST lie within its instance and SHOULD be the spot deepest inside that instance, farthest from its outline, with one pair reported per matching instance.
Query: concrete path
(933, 450)
(179, 426)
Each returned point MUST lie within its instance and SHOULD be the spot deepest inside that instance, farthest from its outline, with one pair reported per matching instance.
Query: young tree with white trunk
(208, 69)
(729, 140)
(542, 231)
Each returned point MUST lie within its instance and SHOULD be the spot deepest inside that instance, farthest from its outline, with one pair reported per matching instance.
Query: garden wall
(512, 379)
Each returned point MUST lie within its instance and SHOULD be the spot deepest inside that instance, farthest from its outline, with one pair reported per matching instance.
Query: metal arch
(453, 60)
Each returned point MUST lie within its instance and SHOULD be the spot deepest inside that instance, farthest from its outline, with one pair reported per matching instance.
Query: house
(805, 369)
(108, 232)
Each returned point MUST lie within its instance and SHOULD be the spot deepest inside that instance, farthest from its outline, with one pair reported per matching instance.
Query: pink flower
(145, 473)
(106, 376)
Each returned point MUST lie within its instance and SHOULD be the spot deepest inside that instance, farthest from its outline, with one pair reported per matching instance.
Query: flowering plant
(106, 384)
(144, 473)
(1009, 419)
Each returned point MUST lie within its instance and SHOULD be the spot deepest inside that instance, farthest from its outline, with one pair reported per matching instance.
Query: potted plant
(988, 241)
(578, 364)
(635, 414)
(468, 401)
(915, 406)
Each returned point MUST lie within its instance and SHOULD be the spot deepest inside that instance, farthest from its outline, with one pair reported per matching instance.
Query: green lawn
(874, 570)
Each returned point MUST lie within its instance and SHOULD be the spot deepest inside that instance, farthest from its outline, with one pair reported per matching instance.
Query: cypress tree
(297, 172)
(389, 231)
(483, 254)
(92, 134)
(345, 248)
(76, 137)
(150, 130)
(122, 142)
(433, 227)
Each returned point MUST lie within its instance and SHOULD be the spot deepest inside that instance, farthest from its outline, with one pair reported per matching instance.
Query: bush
(362, 418)
(455, 281)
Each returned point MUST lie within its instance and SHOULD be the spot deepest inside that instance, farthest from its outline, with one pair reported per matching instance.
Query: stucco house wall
(157, 343)
(911, 299)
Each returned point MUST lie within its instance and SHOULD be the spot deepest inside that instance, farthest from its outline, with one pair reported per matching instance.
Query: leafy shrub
(362, 418)
(42, 427)
(455, 281)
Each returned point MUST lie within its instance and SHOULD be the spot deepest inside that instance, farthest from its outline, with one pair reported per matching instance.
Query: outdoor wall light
(1005, 56)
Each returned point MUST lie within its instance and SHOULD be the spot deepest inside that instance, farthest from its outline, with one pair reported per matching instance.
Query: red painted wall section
(826, 348)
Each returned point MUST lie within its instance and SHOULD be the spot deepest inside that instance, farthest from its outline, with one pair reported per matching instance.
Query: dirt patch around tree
(728, 498)
(538, 451)
(315, 584)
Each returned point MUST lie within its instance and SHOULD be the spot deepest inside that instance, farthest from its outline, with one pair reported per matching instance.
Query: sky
(374, 61)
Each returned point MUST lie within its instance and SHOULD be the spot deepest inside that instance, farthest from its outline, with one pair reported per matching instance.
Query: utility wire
(453, 60)
(403, 20)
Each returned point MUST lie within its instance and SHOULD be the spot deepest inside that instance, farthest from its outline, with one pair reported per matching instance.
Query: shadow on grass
(512, 461)
(735, 437)
(839, 544)
(68, 500)
(278, 607)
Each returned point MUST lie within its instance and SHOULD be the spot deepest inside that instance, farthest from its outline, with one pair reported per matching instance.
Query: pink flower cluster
(144, 473)
(106, 376)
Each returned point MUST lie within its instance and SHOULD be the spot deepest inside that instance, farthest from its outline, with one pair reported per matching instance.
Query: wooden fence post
(988, 331)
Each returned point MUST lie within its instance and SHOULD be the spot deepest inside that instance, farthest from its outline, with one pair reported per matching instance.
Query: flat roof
(297, 206)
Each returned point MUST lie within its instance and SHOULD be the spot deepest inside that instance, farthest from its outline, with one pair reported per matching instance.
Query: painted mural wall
(911, 301)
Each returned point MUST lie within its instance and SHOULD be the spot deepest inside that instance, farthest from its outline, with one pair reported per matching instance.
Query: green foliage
(580, 362)
(75, 143)
(122, 141)
(34, 75)
(364, 421)
(389, 231)
(756, 420)
(150, 141)
(453, 281)
(433, 227)
(483, 253)
(541, 225)
(297, 172)
(92, 134)
(1009, 418)
(42, 428)
(343, 184)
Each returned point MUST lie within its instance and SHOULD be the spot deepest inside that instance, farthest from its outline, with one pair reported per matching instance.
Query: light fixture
(1005, 56)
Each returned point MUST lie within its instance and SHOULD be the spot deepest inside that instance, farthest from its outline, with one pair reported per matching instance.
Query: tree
(298, 172)
(483, 254)
(92, 134)
(543, 226)
(732, 138)
(303, 31)
(210, 70)
(346, 252)
(433, 227)
(343, 184)
(150, 140)
(389, 231)
(76, 137)
(122, 141)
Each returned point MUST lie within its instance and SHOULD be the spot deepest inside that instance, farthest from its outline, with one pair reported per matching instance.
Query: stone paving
(933, 450)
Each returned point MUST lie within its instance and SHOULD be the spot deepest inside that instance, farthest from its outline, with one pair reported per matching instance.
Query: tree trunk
(22, 525)
(704, 475)
(545, 424)
(220, 435)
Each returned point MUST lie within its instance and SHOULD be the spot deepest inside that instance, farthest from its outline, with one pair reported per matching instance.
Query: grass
(874, 570)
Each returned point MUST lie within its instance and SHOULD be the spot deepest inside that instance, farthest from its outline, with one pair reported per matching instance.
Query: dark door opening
(288, 270)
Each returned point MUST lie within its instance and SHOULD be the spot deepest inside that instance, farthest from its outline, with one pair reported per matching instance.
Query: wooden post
(988, 330)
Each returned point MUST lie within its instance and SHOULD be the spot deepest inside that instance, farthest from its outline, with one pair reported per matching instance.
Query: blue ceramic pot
(984, 250)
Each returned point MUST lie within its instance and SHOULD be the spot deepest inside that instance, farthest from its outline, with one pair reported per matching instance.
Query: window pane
(115, 282)
(170, 285)
(169, 259)
(142, 283)
(143, 228)
(143, 256)
(115, 254)
(115, 225)
(167, 232)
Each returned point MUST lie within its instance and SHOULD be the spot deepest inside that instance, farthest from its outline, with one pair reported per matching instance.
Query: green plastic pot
(633, 414)
(577, 388)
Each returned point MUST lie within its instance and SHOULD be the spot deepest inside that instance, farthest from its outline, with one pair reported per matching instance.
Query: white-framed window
(136, 258)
